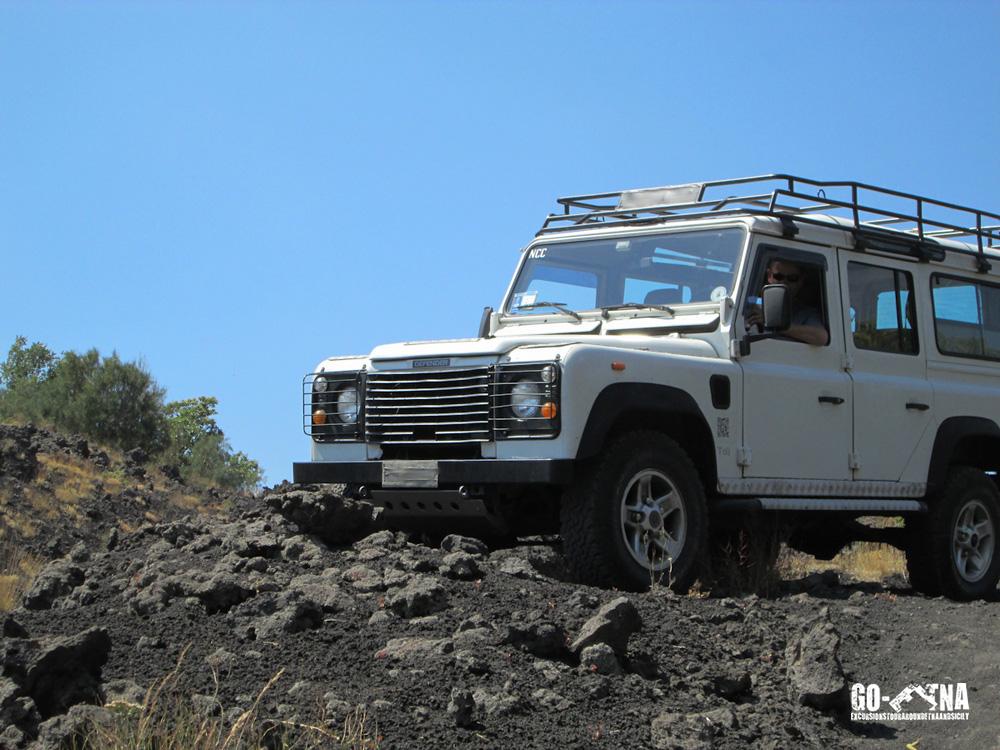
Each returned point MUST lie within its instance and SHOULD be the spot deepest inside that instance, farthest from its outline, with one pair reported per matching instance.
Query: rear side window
(882, 309)
(966, 317)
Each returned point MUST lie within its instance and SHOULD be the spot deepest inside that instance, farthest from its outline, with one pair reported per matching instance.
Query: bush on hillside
(119, 404)
(200, 449)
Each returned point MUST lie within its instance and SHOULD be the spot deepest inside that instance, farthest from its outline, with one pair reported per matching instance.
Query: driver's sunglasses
(791, 277)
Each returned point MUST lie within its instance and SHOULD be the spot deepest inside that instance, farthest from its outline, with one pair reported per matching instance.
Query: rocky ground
(59, 490)
(457, 645)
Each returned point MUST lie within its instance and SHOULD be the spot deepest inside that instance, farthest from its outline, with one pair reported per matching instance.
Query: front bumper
(442, 474)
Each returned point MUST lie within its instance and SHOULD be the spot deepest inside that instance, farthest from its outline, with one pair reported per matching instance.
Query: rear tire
(958, 540)
(637, 517)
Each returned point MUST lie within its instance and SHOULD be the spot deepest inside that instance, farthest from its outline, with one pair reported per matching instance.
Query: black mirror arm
(750, 338)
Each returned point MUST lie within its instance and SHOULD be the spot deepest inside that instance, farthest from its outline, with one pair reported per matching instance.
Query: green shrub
(120, 404)
(200, 449)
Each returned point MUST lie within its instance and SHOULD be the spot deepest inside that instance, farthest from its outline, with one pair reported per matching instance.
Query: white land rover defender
(670, 361)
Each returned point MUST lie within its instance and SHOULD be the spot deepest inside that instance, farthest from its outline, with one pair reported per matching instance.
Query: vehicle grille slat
(410, 422)
(479, 406)
(425, 380)
(429, 407)
(434, 398)
(390, 392)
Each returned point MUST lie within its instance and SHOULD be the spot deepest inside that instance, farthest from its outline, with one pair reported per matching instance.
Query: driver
(807, 323)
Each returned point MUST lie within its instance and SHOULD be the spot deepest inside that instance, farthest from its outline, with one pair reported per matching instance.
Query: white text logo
(928, 701)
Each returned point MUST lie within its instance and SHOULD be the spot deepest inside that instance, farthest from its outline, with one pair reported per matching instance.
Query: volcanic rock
(814, 669)
(613, 624)
(468, 544)
(18, 454)
(542, 638)
(694, 731)
(333, 518)
(423, 595)
(600, 658)
(461, 707)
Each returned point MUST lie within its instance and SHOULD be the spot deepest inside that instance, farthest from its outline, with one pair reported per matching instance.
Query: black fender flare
(952, 431)
(643, 398)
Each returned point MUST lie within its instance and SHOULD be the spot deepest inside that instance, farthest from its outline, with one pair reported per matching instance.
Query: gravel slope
(466, 647)
(462, 646)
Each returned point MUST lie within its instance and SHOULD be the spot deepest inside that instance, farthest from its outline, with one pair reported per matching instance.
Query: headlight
(347, 404)
(320, 385)
(525, 400)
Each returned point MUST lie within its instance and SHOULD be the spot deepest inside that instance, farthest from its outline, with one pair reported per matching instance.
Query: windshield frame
(552, 315)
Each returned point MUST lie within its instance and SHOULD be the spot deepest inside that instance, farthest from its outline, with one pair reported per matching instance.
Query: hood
(496, 347)
(470, 347)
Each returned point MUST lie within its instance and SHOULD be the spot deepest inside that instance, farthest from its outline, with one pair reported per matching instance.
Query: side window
(883, 313)
(966, 317)
(803, 274)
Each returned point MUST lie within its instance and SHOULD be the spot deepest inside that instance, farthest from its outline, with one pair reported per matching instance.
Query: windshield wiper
(560, 306)
(637, 306)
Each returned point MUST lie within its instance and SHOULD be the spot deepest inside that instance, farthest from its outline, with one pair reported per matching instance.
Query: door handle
(917, 406)
(831, 400)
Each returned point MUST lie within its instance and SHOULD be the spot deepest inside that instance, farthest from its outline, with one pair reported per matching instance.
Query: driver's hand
(754, 317)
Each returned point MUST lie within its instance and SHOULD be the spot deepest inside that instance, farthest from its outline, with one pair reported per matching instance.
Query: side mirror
(484, 323)
(776, 307)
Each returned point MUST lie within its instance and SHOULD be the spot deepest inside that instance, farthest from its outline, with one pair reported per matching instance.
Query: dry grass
(18, 569)
(743, 559)
(748, 560)
(864, 561)
(167, 720)
(76, 476)
(65, 483)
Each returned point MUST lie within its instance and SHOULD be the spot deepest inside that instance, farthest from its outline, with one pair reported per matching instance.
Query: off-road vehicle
(668, 361)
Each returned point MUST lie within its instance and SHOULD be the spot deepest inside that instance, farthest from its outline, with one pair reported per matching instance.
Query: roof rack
(880, 217)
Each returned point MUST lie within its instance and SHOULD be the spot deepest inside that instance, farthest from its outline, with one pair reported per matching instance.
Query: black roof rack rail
(880, 217)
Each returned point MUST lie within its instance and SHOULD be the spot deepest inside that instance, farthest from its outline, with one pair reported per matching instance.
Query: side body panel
(892, 398)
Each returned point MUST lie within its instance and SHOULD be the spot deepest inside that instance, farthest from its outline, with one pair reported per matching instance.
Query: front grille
(429, 406)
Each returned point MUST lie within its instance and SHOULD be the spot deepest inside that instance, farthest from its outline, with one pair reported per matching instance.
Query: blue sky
(230, 192)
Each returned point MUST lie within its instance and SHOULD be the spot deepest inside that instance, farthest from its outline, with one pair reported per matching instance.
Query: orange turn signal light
(319, 417)
(617, 366)
(548, 410)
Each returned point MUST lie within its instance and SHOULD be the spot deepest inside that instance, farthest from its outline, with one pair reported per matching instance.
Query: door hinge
(847, 361)
(853, 461)
(743, 457)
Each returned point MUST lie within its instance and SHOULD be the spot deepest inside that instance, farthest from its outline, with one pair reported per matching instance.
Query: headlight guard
(330, 414)
(527, 400)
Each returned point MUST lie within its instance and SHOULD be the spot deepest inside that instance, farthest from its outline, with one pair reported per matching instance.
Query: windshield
(659, 270)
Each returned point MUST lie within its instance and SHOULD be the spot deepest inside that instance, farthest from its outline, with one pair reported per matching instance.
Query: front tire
(637, 517)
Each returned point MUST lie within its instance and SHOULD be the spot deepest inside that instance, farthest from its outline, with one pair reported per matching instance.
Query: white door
(797, 420)
(893, 401)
